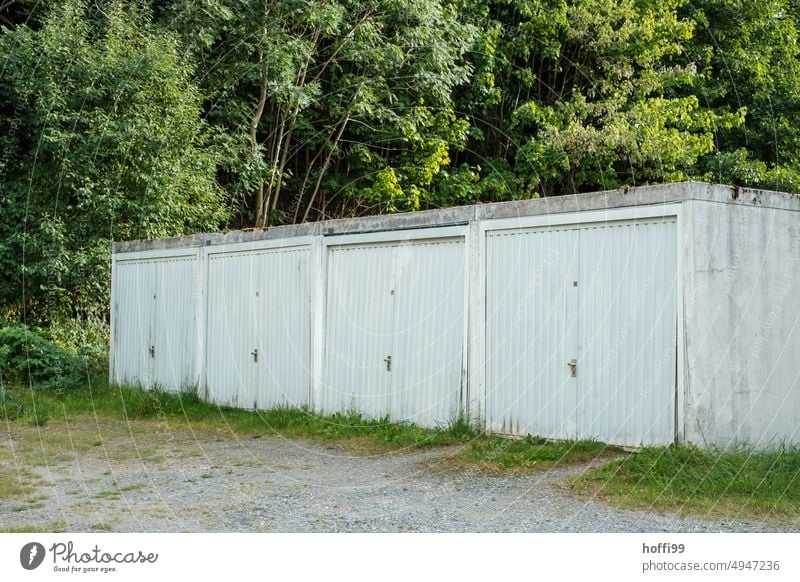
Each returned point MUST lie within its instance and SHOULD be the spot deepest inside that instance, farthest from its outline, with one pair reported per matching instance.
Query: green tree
(328, 108)
(580, 95)
(748, 58)
(102, 140)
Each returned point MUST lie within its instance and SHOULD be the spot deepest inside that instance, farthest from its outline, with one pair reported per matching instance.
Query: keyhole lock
(254, 353)
(152, 351)
(573, 367)
(388, 360)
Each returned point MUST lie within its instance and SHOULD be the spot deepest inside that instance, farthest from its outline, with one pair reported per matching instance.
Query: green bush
(86, 338)
(28, 359)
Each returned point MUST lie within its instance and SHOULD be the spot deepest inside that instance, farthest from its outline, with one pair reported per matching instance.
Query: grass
(55, 527)
(121, 423)
(186, 411)
(114, 495)
(37, 504)
(499, 455)
(739, 483)
(15, 483)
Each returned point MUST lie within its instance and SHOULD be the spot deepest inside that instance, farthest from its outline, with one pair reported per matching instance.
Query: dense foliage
(28, 359)
(103, 140)
(135, 119)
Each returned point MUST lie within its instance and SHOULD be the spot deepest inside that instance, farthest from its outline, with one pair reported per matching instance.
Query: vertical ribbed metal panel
(155, 307)
(258, 301)
(358, 330)
(231, 372)
(531, 312)
(174, 324)
(283, 328)
(133, 310)
(626, 362)
(400, 300)
(605, 295)
(427, 352)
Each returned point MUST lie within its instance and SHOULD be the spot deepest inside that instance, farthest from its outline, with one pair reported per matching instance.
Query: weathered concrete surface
(458, 215)
(742, 314)
(740, 277)
(620, 198)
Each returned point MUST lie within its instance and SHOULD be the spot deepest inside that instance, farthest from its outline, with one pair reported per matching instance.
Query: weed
(496, 454)
(15, 484)
(183, 409)
(29, 506)
(55, 527)
(29, 406)
(113, 495)
(738, 482)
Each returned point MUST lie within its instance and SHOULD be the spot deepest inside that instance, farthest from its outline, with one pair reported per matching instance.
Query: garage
(258, 330)
(394, 329)
(641, 316)
(153, 336)
(581, 331)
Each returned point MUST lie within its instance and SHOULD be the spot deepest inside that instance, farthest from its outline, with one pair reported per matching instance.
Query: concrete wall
(739, 311)
(742, 316)
(456, 216)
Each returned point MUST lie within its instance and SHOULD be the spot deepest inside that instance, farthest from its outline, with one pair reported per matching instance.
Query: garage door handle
(573, 367)
(152, 351)
(254, 353)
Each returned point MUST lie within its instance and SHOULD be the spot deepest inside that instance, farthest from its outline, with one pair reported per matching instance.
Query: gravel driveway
(202, 481)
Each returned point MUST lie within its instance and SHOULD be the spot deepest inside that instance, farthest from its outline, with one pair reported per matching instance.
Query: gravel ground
(196, 481)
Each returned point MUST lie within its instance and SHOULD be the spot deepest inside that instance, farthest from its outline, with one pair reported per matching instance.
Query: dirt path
(117, 476)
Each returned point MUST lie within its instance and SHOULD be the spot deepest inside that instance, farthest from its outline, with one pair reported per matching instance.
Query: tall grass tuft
(741, 480)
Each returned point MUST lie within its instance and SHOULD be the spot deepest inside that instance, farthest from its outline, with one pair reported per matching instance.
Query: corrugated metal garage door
(133, 313)
(603, 296)
(257, 341)
(231, 372)
(394, 330)
(531, 332)
(427, 350)
(154, 332)
(627, 331)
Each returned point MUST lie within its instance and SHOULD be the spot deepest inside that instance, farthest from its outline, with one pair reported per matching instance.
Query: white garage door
(394, 330)
(627, 333)
(258, 341)
(133, 321)
(580, 332)
(155, 326)
(231, 340)
(531, 332)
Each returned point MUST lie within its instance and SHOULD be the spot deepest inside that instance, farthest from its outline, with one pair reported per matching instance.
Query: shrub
(27, 358)
(86, 338)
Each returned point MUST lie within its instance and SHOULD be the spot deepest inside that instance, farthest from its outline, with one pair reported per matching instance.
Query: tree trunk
(325, 165)
(254, 123)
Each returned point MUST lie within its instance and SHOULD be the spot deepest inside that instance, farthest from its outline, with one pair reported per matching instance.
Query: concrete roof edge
(459, 215)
